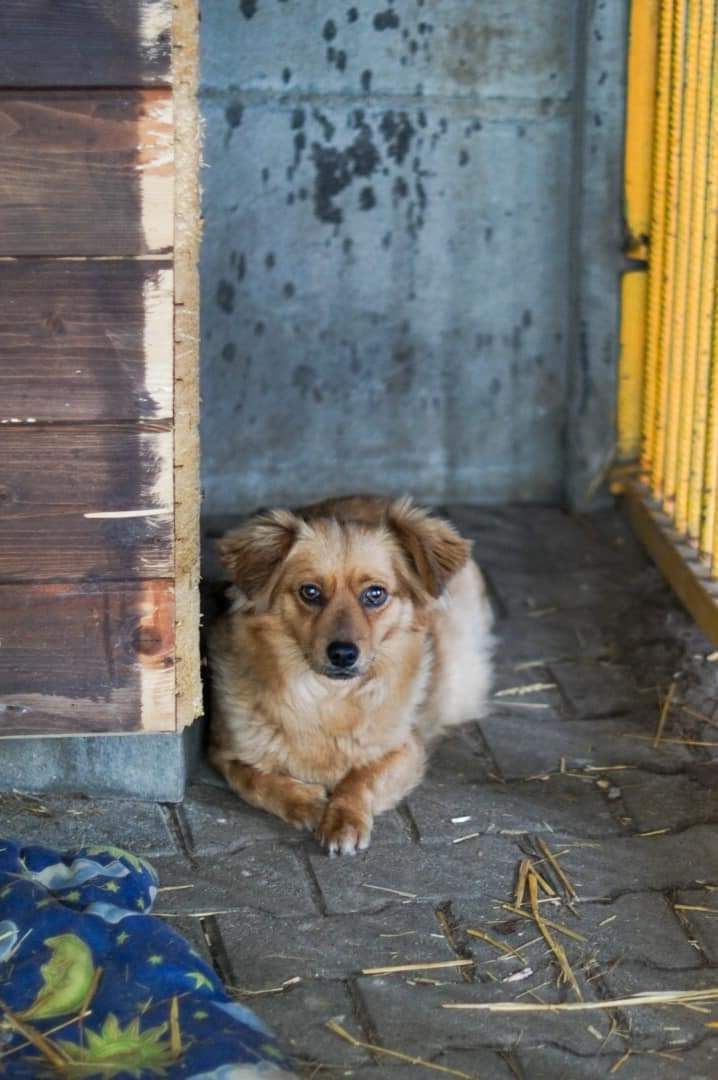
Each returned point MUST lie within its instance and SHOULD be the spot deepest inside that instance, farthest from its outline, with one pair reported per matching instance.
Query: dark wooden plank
(75, 502)
(85, 658)
(85, 42)
(86, 172)
(85, 340)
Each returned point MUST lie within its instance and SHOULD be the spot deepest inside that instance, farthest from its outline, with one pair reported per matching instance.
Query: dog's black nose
(342, 654)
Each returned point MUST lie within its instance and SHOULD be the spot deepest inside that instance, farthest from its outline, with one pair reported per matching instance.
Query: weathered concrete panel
(596, 253)
(409, 207)
(445, 47)
(384, 303)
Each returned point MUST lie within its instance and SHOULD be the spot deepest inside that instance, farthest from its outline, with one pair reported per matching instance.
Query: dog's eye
(374, 596)
(310, 594)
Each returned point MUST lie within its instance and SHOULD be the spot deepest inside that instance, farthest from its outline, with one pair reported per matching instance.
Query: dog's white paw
(345, 829)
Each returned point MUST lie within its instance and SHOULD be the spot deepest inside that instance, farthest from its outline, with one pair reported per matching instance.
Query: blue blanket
(93, 986)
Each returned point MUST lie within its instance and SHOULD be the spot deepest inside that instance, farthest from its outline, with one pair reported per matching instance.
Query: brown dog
(359, 631)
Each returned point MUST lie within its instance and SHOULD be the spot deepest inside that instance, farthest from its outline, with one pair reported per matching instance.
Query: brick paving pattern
(586, 620)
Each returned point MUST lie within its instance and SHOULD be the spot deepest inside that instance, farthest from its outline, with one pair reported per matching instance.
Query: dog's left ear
(253, 552)
(433, 548)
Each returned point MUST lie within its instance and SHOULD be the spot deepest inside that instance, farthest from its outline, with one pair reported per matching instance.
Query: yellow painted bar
(638, 152)
(698, 496)
(700, 141)
(677, 361)
(634, 289)
(709, 524)
(670, 361)
(652, 378)
(665, 343)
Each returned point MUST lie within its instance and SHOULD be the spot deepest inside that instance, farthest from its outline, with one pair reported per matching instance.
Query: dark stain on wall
(248, 8)
(225, 296)
(386, 20)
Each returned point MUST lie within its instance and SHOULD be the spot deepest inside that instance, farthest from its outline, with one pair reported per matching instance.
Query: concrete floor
(593, 639)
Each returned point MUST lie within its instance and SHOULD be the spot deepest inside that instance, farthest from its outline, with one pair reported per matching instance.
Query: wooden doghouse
(99, 229)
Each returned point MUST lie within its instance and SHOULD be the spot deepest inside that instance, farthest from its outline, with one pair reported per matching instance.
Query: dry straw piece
(336, 1027)
(643, 1000)
(665, 709)
(431, 966)
(556, 948)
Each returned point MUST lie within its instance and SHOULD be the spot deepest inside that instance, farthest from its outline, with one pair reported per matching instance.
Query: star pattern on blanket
(86, 997)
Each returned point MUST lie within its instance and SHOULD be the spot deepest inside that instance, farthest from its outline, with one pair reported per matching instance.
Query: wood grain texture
(185, 40)
(86, 658)
(84, 42)
(52, 478)
(85, 340)
(86, 172)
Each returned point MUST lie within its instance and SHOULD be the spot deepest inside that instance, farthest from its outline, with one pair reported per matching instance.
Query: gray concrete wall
(386, 265)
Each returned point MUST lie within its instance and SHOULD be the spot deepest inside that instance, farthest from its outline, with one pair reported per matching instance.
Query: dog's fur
(291, 736)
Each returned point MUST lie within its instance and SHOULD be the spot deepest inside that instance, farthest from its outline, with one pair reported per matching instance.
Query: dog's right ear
(253, 552)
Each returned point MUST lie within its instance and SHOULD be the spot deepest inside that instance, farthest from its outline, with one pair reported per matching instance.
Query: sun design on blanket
(121, 1051)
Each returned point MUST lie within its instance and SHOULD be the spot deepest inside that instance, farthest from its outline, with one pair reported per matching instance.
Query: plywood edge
(188, 140)
(688, 576)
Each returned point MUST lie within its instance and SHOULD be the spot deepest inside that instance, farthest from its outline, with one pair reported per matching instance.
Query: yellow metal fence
(668, 386)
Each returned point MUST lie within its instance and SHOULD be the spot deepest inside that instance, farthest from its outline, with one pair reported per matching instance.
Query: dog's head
(339, 590)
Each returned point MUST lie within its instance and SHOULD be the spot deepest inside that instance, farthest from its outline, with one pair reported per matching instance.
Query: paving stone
(265, 951)
(64, 822)
(640, 927)
(522, 592)
(433, 1028)
(529, 742)
(600, 869)
(657, 802)
(462, 756)
(702, 925)
(660, 1027)
(598, 540)
(599, 689)
(503, 537)
(549, 638)
(548, 1063)
(423, 872)
(565, 804)
(217, 820)
(265, 877)
(299, 1017)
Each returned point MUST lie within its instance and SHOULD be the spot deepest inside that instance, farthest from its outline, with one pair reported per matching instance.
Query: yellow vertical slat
(709, 524)
(634, 285)
(657, 232)
(670, 223)
(638, 153)
(676, 360)
(699, 461)
(702, 15)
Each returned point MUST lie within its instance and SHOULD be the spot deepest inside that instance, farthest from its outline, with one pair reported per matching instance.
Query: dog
(359, 631)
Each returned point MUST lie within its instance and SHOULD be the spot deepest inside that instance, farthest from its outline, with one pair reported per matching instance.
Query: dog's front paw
(305, 806)
(345, 828)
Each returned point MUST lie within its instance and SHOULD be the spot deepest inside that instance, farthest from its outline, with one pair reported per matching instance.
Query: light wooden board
(86, 172)
(85, 340)
(89, 658)
(85, 501)
(85, 42)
